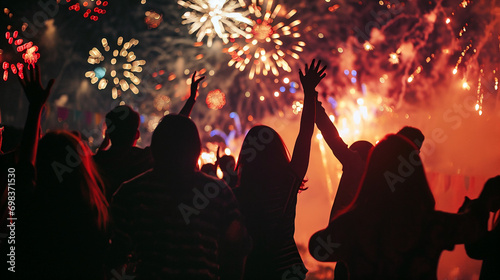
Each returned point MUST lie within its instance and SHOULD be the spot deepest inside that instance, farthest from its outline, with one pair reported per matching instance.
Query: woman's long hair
(394, 200)
(394, 177)
(262, 159)
(66, 170)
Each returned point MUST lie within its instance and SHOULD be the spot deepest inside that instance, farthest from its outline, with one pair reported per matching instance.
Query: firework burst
(216, 99)
(13, 62)
(91, 9)
(271, 40)
(119, 69)
(213, 18)
(15, 52)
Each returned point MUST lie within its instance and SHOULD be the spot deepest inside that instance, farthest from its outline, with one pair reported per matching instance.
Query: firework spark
(213, 18)
(264, 48)
(121, 66)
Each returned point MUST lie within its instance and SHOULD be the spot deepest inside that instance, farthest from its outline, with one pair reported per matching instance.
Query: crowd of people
(126, 212)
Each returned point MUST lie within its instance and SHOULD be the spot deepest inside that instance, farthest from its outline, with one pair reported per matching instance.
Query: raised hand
(186, 109)
(312, 76)
(217, 163)
(33, 88)
(194, 84)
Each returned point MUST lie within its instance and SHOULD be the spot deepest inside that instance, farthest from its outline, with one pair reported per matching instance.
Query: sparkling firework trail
(271, 38)
(213, 18)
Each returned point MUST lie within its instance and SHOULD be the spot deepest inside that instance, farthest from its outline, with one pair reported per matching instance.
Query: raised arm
(301, 151)
(331, 136)
(37, 96)
(186, 110)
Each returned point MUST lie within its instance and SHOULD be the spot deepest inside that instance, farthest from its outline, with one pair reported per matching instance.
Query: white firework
(213, 18)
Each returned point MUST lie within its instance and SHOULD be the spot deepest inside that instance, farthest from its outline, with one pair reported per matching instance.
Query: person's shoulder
(134, 184)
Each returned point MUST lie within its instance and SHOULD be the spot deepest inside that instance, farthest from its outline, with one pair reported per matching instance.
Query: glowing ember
(153, 19)
(216, 99)
(394, 58)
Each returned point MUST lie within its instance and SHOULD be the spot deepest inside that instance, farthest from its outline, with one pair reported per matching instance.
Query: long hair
(393, 202)
(263, 155)
(394, 180)
(65, 169)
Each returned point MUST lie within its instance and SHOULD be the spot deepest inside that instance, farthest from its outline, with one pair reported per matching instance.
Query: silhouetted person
(391, 230)
(180, 220)
(413, 134)
(62, 211)
(268, 185)
(353, 160)
(487, 248)
(123, 160)
(227, 165)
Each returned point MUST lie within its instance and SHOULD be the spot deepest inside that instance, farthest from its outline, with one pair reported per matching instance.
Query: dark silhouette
(180, 220)
(353, 160)
(188, 106)
(1, 134)
(413, 134)
(227, 165)
(123, 160)
(391, 230)
(63, 212)
(268, 185)
(209, 169)
(487, 248)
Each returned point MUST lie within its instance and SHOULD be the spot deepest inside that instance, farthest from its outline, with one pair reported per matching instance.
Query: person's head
(176, 144)
(263, 157)
(65, 169)
(413, 134)
(262, 149)
(490, 194)
(362, 148)
(394, 178)
(122, 126)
